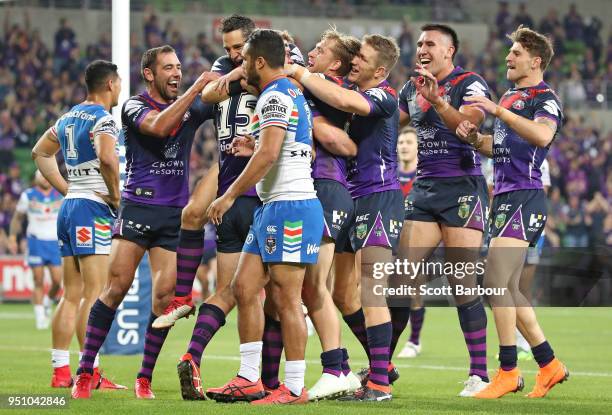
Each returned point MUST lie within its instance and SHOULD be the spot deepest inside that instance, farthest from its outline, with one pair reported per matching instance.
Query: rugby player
(448, 201)
(87, 136)
(159, 130)
(287, 228)
(374, 186)
(528, 118)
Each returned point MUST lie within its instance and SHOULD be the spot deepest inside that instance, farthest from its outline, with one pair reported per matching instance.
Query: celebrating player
(40, 205)
(448, 200)
(374, 186)
(87, 136)
(159, 130)
(528, 118)
(287, 228)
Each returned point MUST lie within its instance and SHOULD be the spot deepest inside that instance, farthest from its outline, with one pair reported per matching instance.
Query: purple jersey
(233, 118)
(157, 169)
(441, 152)
(327, 165)
(516, 162)
(375, 167)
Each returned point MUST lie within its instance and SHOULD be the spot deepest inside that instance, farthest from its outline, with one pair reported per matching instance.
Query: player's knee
(193, 216)
(241, 290)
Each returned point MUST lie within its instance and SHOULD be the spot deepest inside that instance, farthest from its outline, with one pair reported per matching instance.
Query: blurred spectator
(503, 20)
(65, 40)
(576, 231)
(549, 22)
(572, 89)
(406, 43)
(523, 17)
(573, 24)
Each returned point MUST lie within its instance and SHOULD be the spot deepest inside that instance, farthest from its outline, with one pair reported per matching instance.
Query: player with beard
(159, 129)
(528, 118)
(448, 201)
(374, 186)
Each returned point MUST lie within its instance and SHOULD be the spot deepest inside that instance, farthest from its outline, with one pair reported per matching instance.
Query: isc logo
(465, 199)
(362, 218)
(504, 207)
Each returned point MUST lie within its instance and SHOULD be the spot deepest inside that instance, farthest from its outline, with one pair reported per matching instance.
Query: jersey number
(71, 151)
(239, 126)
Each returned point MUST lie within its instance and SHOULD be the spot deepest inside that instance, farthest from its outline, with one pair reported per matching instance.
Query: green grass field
(582, 338)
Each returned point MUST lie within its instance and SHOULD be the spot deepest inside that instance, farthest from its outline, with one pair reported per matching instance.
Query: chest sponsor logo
(84, 236)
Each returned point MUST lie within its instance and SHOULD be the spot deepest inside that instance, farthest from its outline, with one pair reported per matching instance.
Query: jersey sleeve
(548, 105)
(105, 125)
(275, 110)
(404, 93)
(134, 111)
(474, 86)
(202, 110)
(22, 204)
(382, 103)
(222, 65)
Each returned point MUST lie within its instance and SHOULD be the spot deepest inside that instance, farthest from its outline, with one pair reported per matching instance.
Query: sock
(507, 357)
(346, 369)
(188, 257)
(332, 362)
(154, 340)
(46, 301)
(210, 319)
(356, 323)
(521, 342)
(39, 312)
(294, 376)
(271, 353)
(99, 323)
(543, 353)
(416, 324)
(250, 354)
(473, 321)
(96, 362)
(379, 340)
(399, 321)
(60, 358)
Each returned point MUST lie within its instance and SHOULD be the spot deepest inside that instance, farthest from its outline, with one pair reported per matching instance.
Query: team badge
(361, 230)
(270, 244)
(500, 220)
(516, 224)
(518, 105)
(378, 231)
(464, 211)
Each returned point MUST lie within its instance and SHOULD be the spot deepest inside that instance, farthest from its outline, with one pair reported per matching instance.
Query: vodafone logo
(83, 236)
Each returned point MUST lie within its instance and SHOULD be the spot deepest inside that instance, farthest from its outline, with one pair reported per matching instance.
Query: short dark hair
(535, 43)
(149, 57)
(268, 44)
(97, 73)
(445, 29)
(237, 22)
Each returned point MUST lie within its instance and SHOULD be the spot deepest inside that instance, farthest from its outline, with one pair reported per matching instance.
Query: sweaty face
(407, 147)
(364, 65)
(519, 63)
(250, 71)
(167, 76)
(321, 57)
(233, 43)
(434, 49)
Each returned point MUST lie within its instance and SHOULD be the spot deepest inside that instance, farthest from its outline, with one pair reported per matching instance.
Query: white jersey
(41, 209)
(282, 105)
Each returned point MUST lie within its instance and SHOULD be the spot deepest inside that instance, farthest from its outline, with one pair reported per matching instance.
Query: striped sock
(507, 357)
(416, 324)
(356, 323)
(379, 340)
(346, 368)
(473, 321)
(399, 321)
(154, 340)
(332, 362)
(188, 257)
(271, 353)
(210, 319)
(99, 323)
(543, 353)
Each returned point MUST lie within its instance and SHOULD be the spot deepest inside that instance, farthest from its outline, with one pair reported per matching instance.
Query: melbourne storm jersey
(282, 105)
(157, 169)
(41, 209)
(517, 163)
(441, 152)
(76, 131)
(375, 167)
(327, 165)
(233, 118)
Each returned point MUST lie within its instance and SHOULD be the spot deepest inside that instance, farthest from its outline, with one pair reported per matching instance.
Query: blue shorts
(286, 231)
(41, 253)
(84, 227)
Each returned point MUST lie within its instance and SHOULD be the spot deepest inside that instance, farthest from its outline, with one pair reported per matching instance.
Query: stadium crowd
(38, 82)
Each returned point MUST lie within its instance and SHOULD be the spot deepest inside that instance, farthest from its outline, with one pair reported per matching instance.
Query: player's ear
(336, 65)
(148, 74)
(380, 73)
(450, 51)
(260, 62)
(536, 62)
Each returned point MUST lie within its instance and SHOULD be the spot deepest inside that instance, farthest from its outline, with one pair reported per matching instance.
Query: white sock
(60, 358)
(39, 312)
(250, 356)
(521, 342)
(294, 376)
(46, 301)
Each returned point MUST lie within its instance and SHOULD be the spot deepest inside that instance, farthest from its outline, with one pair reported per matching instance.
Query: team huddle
(306, 199)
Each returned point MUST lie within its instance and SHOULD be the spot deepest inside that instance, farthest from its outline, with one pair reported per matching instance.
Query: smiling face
(364, 65)
(233, 43)
(520, 63)
(166, 78)
(321, 57)
(434, 51)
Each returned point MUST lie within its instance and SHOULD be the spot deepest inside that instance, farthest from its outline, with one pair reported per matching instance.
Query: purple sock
(379, 340)
(188, 257)
(346, 368)
(99, 323)
(356, 323)
(416, 324)
(473, 321)
(399, 321)
(271, 352)
(154, 340)
(210, 319)
(543, 353)
(332, 362)
(507, 357)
